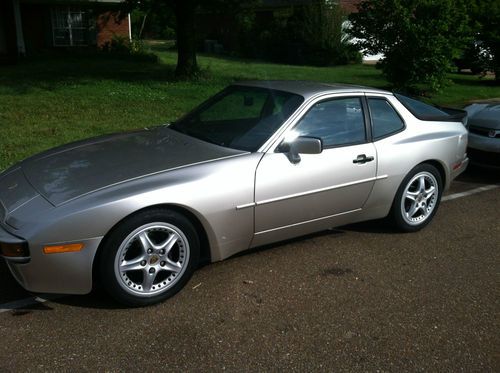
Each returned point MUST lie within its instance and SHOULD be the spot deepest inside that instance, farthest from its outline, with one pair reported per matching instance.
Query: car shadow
(329, 232)
(381, 226)
(98, 298)
(475, 174)
(10, 290)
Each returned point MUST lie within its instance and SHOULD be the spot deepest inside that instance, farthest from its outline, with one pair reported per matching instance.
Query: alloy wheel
(152, 259)
(419, 198)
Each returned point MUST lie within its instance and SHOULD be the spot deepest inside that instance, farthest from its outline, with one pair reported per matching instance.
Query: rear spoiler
(455, 115)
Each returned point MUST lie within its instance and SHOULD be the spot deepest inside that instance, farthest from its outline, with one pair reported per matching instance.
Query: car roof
(308, 88)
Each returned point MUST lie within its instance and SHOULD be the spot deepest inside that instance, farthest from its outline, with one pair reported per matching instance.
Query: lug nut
(163, 264)
(162, 252)
(150, 251)
(143, 263)
(151, 270)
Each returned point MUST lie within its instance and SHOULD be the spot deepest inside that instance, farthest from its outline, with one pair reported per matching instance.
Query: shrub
(323, 36)
(310, 34)
(134, 49)
(485, 23)
(474, 57)
(418, 38)
(118, 45)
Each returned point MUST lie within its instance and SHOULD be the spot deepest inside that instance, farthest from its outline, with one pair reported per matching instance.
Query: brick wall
(110, 24)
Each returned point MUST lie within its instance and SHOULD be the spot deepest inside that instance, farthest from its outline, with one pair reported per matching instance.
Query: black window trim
(331, 98)
(367, 118)
(375, 139)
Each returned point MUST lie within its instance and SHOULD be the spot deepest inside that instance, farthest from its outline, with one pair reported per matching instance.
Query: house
(30, 26)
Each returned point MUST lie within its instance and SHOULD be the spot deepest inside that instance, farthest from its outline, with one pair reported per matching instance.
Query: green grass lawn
(50, 101)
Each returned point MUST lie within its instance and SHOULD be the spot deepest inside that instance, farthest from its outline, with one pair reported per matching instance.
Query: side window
(337, 122)
(385, 120)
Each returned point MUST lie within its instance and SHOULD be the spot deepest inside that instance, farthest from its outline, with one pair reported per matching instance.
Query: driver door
(321, 189)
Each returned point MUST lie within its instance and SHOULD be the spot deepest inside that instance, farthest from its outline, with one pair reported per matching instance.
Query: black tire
(396, 214)
(115, 243)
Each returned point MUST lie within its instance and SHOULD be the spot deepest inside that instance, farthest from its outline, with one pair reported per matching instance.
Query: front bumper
(65, 273)
(483, 143)
(484, 151)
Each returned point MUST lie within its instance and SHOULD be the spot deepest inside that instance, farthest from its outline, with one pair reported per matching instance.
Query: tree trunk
(186, 38)
(496, 65)
(142, 25)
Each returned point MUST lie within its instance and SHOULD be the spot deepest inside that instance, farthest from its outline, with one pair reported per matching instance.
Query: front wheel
(417, 198)
(149, 257)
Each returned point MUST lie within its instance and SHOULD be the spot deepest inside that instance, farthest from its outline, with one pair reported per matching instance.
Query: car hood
(484, 115)
(70, 171)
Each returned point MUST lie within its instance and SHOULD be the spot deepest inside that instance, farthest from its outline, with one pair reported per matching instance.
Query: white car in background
(484, 134)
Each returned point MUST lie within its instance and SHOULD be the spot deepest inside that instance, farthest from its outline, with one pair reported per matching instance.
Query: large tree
(485, 26)
(418, 38)
(185, 15)
(186, 12)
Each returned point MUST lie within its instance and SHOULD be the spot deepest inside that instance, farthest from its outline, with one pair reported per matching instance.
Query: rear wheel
(149, 257)
(417, 198)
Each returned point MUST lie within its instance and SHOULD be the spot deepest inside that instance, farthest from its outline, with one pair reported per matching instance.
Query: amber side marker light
(70, 248)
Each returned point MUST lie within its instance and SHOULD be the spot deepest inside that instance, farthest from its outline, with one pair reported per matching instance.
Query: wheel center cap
(154, 260)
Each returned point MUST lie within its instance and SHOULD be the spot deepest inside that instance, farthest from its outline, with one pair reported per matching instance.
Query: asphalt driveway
(357, 298)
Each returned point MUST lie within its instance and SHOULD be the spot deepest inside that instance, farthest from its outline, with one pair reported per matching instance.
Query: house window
(69, 27)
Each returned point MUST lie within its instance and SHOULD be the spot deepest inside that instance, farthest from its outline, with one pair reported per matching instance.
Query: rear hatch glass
(424, 111)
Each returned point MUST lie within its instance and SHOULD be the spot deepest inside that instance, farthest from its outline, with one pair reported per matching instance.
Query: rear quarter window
(385, 120)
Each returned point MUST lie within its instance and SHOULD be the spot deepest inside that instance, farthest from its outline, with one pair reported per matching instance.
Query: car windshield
(240, 117)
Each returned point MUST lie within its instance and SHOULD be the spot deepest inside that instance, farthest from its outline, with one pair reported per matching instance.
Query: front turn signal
(69, 248)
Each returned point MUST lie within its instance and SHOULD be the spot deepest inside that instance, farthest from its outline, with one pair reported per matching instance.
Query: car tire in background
(149, 257)
(417, 199)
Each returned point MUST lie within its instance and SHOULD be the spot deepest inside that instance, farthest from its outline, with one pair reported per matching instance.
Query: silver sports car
(257, 163)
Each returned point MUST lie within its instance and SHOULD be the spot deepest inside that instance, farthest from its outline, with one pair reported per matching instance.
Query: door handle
(362, 158)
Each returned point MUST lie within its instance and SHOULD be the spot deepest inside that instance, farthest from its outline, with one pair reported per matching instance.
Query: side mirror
(301, 145)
